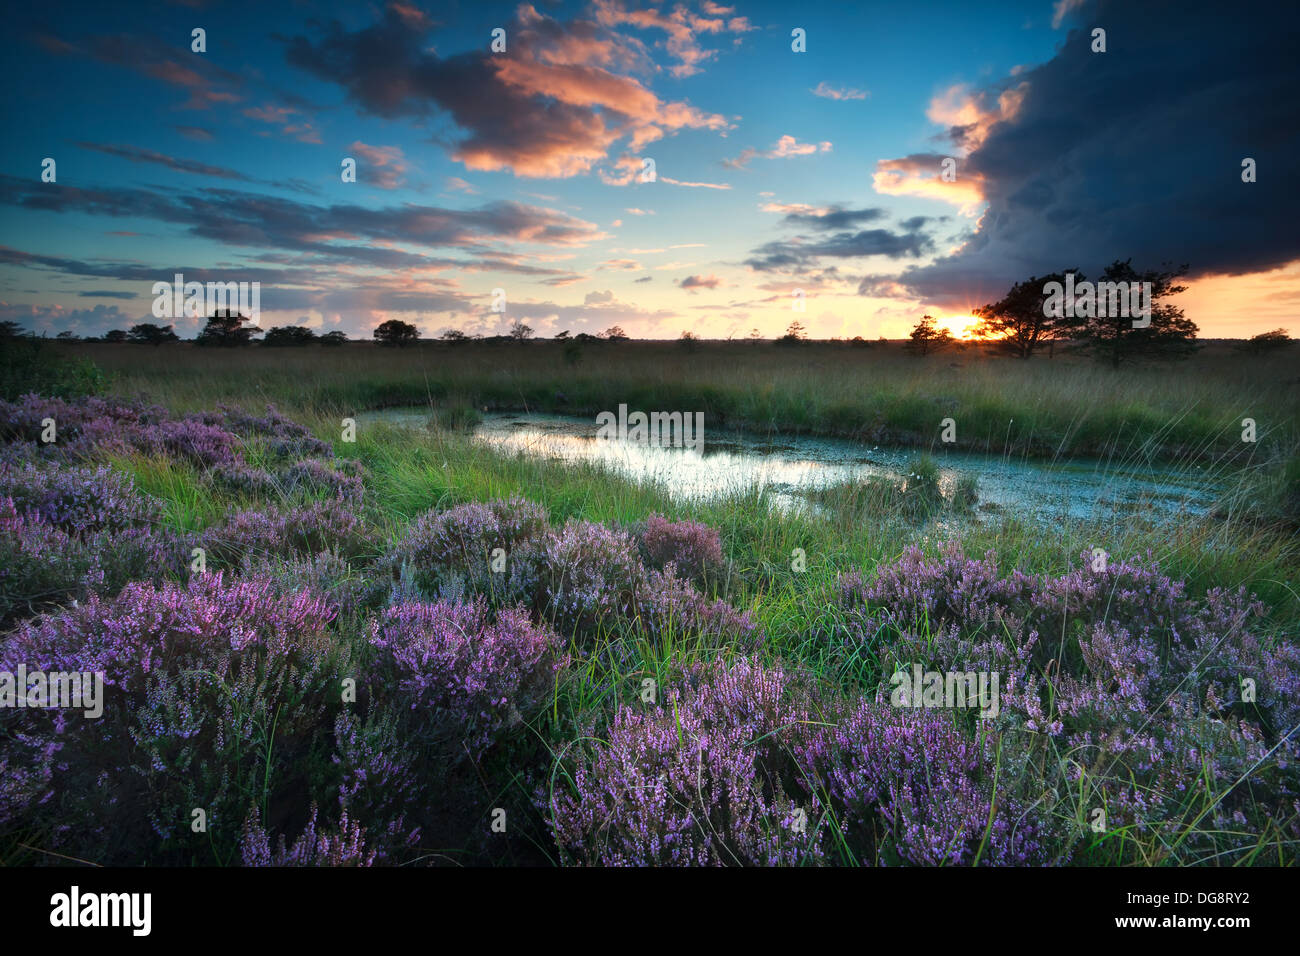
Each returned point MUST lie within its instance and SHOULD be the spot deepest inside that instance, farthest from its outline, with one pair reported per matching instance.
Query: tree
(146, 333)
(226, 329)
(520, 332)
(1267, 341)
(115, 336)
(289, 335)
(794, 334)
(755, 336)
(689, 341)
(334, 338)
(454, 337)
(927, 338)
(1169, 334)
(10, 329)
(1018, 323)
(396, 332)
(562, 336)
(614, 334)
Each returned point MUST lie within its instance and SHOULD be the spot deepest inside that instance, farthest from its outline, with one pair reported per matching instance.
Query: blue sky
(776, 171)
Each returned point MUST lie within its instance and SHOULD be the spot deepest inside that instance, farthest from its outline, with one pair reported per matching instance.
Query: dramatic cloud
(1136, 152)
(551, 108)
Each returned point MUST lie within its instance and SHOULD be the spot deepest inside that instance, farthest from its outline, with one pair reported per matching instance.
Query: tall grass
(1043, 407)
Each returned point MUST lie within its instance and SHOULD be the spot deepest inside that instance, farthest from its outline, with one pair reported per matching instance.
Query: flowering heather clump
(344, 846)
(78, 500)
(461, 674)
(42, 565)
(693, 547)
(669, 603)
(591, 572)
(307, 529)
(190, 440)
(245, 479)
(707, 778)
(378, 779)
(910, 784)
(1141, 685)
(314, 476)
(350, 589)
(449, 554)
(195, 679)
(284, 438)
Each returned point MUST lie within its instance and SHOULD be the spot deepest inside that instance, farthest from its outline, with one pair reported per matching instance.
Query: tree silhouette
(1169, 334)
(520, 332)
(396, 332)
(1018, 323)
(226, 329)
(146, 333)
(927, 337)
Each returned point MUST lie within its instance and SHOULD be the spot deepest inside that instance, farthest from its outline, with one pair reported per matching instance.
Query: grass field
(1045, 407)
(1190, 411)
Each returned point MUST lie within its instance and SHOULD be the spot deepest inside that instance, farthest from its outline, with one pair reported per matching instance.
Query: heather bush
(345, 845)
(78, 500)
(692, 547)
(42, 565)
(449, 554)
(1137, 686)
(318, 526)
(910, 786)
(314, 476)
(590, 573)
(462, 675)
(216, 693)
(669, 604)
(709, 777)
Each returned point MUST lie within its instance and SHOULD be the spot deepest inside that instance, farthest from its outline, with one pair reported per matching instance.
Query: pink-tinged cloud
(700, 282)
(682, 28)
(826, 91)
(382, 166)
(554, 105)
(920, 175)
(785, 147)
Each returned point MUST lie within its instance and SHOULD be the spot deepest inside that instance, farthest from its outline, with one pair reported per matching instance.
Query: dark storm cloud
(836, 217)
(1137, 152)
(802, 252)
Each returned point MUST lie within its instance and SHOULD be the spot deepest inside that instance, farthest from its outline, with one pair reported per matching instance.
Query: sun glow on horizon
(960, 326)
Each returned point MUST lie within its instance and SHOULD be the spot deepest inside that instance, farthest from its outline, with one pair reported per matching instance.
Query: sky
(789, 185)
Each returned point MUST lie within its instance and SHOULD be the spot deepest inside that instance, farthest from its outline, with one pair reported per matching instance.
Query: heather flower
(343, 846)
(195, 677)
(909, 785)
(42, 565)
(708, 778)
(450, 555)
(590, 573)
(692, 547)
(314, 476)
(308, 529)
(462, 674)
(670, 604)
(78, 500)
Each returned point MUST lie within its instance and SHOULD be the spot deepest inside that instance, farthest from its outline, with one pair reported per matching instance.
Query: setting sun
(961, 326)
